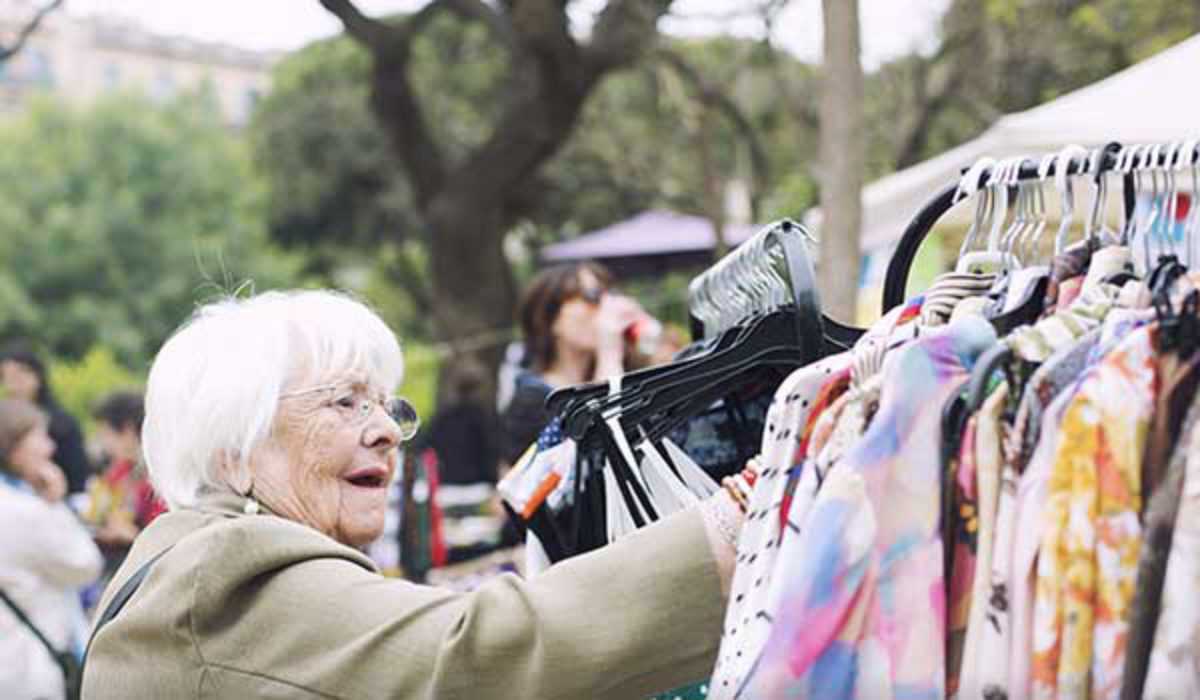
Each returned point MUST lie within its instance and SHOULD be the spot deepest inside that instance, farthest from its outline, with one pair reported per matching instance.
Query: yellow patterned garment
(1088, 564)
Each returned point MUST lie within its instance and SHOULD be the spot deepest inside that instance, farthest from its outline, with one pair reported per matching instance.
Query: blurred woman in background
(575, 332)
(46, 556)
(23, 376)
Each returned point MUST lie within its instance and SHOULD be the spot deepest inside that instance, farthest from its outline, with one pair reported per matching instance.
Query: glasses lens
(405, 416)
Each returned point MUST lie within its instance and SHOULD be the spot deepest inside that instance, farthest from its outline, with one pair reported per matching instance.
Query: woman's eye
(347, 402)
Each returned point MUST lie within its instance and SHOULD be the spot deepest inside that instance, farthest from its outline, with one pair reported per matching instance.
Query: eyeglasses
(591, 295)
(358, 408)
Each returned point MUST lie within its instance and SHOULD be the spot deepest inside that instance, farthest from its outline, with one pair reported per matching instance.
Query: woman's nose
(381, 432)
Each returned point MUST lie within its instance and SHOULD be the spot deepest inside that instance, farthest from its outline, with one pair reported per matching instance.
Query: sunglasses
(591, 295)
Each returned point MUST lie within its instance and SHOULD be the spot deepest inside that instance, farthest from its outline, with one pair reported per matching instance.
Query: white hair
(215, 384)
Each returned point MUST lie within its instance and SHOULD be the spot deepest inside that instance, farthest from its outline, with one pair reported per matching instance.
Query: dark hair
(22, 354)
(542, 301)
(122, 409)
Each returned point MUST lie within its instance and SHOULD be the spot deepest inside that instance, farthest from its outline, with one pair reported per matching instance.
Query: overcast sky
(890, 27)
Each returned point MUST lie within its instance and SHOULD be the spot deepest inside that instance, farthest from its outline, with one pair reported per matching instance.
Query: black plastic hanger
(1028, 310)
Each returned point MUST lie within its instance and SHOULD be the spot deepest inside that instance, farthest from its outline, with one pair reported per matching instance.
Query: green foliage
(1001, 56)
(422, 363)
(117, 219)
(330, 178)
(81, 385)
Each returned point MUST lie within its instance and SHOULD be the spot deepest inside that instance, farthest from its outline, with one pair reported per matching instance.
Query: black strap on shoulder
(122, 597)
(29, 623)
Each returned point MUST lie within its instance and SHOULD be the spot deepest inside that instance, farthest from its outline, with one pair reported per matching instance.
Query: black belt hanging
(65, 659)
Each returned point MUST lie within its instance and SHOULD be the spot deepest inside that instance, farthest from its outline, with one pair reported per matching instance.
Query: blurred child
(121, 500)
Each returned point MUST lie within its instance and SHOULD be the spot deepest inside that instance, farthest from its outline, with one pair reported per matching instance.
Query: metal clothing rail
(1113, 157)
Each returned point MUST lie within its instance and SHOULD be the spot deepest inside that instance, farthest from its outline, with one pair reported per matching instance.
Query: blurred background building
(80, 58)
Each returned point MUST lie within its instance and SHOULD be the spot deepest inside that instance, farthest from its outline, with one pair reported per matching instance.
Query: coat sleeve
(640, 616)
(49, 540)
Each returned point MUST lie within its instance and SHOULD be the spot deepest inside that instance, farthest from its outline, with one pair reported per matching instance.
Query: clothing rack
(1110, 157)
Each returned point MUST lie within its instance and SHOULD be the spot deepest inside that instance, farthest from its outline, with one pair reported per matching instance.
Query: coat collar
(225, 502)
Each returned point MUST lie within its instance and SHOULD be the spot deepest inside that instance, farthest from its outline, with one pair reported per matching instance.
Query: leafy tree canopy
(117, 219)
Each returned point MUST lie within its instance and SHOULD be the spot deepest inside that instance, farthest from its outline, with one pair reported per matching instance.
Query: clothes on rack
(993, 499)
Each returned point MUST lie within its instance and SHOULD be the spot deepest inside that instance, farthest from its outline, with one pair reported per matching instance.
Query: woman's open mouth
(368, 478)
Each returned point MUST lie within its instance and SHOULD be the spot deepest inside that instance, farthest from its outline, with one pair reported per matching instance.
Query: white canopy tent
(1153, 101)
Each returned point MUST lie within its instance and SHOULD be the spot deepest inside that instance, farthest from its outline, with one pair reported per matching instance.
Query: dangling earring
(250, 507)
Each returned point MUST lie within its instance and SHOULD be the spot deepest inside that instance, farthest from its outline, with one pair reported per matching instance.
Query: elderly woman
(268, 434)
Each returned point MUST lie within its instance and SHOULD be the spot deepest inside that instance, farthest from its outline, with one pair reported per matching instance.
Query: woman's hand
(724, 512)
(615, 314)
(723, 524)
(47, 481)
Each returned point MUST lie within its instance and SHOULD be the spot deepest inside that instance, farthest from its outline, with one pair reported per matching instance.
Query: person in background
(121, 502)
(46, 556)
(464, 432)
(23, 376)
(575, 332)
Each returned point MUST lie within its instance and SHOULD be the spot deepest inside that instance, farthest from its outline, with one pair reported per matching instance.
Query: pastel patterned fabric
(781, 495)
(1008, 641)
(865, 602)
(745, 630)
(988, 465)
(1175, 657)
(1037, 343)
(1008, 638)
(1092, 534)
(1159, 526)
(963, 543)
(1070, 264)
(1055, 374)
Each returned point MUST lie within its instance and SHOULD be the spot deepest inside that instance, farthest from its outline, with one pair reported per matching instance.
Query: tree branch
(393, 99)
(369, 32)
(916, 136)
(712, 96)
(623, 31)
(929, 107)
(541, 29)
(478, 10)
(7, 52)
(805, 113)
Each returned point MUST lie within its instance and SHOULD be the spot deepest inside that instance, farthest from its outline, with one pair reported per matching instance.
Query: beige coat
(261, 607)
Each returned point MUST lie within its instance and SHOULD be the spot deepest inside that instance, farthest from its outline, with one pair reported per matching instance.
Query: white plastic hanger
(992, 259)
(1066, 192)
(968, 186)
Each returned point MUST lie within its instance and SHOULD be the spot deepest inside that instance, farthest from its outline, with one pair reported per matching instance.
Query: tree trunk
(714, 189)
(473, 289)
(842, 157)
